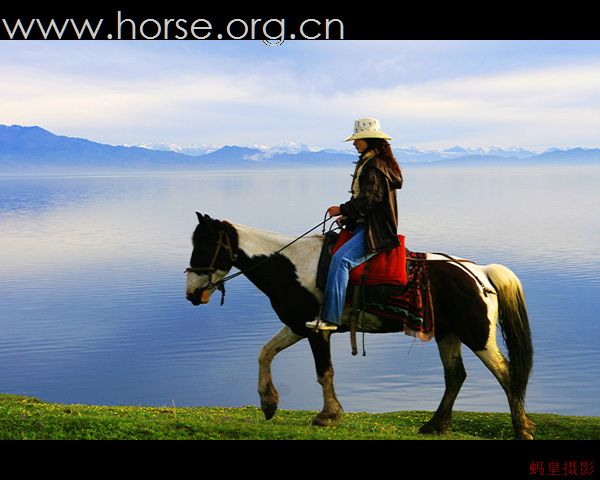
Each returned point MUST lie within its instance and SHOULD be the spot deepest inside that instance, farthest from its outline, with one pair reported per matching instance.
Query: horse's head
(215, 249)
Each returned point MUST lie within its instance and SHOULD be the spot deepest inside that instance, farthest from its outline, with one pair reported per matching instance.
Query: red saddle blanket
(384, 268)
(396, 288)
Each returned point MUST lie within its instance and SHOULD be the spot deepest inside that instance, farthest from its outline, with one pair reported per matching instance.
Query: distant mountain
(511, 152)
(575, 156)
(192, 150)
(414, 155)
(404, 155)
(232, 154)
(572, 156)
(33, 149)
(262, 152)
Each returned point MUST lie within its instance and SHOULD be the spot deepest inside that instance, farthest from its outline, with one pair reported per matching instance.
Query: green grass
(27, 418)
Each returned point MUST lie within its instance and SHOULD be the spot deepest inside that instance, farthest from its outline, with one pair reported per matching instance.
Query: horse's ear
(205, 221)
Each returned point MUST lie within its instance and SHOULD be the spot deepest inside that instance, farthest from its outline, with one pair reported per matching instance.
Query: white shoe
(319, 324)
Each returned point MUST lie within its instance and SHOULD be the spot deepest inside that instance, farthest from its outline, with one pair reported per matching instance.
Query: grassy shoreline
(27, 418)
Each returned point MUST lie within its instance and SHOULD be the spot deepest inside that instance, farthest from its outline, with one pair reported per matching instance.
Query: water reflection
(92, 306)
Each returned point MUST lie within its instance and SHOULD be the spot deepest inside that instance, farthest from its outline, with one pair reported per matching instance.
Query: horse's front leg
(332, 410)
(269, 398)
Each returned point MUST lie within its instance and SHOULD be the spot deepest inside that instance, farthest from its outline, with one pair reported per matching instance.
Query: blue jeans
(351, 254)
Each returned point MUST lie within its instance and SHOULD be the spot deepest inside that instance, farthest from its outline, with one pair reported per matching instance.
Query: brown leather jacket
(375, 204)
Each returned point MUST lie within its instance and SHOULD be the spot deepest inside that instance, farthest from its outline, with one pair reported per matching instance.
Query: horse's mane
(270, 233)
(262, 241)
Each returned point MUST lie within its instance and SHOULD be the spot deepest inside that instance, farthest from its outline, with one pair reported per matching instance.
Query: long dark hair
(384, 151)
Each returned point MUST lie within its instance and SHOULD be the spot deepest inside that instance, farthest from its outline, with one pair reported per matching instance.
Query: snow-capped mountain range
(33, 149)
(409, 154)
(264, 151)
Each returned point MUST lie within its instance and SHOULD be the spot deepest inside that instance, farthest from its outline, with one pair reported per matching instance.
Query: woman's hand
(333, 211)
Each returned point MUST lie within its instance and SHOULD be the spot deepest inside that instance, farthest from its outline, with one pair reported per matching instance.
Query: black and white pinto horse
(464, 313)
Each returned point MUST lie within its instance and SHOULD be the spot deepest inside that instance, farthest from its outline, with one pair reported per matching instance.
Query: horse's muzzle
(199, 297)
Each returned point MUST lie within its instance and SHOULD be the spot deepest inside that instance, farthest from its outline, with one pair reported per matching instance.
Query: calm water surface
(92, 306)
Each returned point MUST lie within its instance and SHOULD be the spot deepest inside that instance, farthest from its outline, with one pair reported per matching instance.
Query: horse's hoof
(326, 419)
(524, 436)
(525, 430)
(431, 428)
(268, 409)
(530, 426)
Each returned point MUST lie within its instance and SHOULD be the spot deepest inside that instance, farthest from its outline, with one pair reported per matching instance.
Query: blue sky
(427, 94)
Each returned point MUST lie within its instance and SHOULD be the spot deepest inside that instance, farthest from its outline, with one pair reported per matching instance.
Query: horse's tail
(514, 325)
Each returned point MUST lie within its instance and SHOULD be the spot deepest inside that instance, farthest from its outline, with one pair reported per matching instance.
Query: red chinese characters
(566, 468)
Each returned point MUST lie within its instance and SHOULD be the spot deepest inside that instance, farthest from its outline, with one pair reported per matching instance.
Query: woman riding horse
(371, 215)
(468, 302)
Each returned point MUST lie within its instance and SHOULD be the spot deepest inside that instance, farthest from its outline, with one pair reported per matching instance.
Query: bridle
(223, 242)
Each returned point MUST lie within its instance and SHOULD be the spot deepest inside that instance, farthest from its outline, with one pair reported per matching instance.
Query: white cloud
(280, 98)
(553, 104)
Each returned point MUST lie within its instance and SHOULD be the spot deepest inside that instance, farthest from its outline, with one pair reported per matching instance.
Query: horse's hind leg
(332, 410)
(454, 375)
(497, 363)
(269, 398)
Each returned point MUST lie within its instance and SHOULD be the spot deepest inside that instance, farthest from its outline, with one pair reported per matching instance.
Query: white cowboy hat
(367, 127)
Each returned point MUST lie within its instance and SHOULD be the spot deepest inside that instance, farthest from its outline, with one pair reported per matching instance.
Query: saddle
(392, 285)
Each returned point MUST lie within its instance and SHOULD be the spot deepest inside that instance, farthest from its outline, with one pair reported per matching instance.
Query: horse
(467, 308)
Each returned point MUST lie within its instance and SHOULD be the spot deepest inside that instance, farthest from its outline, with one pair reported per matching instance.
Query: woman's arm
(372, 191)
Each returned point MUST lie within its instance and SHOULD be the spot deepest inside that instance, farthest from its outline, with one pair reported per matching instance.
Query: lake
(92, 306)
